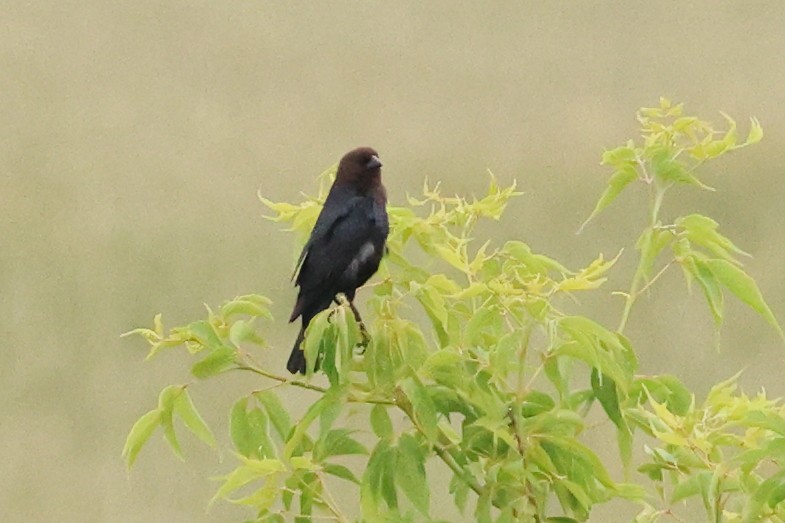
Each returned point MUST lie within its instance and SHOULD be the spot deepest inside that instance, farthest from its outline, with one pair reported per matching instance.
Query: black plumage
(346, 244)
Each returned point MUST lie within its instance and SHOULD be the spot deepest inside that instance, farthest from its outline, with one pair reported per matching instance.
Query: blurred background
(134, 137)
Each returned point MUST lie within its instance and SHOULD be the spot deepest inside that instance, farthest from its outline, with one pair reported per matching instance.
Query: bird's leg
(363, 331)
(366, 338)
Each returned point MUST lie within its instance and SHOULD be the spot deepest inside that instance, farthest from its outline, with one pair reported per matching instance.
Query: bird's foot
(365, 338)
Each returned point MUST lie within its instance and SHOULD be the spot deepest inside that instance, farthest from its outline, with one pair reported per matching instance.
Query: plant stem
(640, 271)
(448, 459)
(522, 357)
(443, 452)
(329, 501)
(270, 375)
(308, 386)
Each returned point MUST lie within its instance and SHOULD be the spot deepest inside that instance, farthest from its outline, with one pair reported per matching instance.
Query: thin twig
(656, 276)
(308, 386)
(270, 375)
(447, 458)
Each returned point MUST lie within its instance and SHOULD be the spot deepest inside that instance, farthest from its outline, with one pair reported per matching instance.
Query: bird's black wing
(337, 205)
(344, 227)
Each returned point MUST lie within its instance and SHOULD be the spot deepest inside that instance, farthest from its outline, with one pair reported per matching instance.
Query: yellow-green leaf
(756, 132)
(139, 435)
(743, 287)
(186, 411)
(619, 180)
(380, 422)
(410, 471)
(214, 363)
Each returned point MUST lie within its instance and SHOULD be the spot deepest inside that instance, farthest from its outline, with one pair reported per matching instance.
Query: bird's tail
(296, 361)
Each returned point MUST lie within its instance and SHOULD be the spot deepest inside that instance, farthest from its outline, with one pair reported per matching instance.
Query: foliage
(496, 379)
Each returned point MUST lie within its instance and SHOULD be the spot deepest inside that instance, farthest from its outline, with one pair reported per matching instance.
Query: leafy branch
(480, 347)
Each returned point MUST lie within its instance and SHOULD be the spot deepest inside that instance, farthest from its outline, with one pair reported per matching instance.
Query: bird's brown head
(360, 167)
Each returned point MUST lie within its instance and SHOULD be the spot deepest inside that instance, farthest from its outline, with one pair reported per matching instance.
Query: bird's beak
(373, 163)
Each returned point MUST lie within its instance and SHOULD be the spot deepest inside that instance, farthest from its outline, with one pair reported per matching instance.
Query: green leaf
(731, 135)
(249, 430)
(139, 434)
(410, 472)
(378, 482)
(204, 333)
(481, 324)
(387, 480)
(241, 331)
(411, 344)
(576, 461)
(166, 405)
(335, 399)
(756, 132)
(452, 256)
(680, 399)
(445, 367)
(304, 462)
(482, 513)
(716, 148)
(369, 486)
(702, 230)
(186, 411)
(620, 156)
(338, 342)
(264, 498)
(378, 362)
(693, 485)
(708, 282)
(236, 479)
(624, 439)
(433, 303)
(380, 422)
(536, 402)
(315, 340)
(768, 494)
(423, 408)
(337, 443)
(744, 288)
(248, 471)
(668, 169)
(665, 389)
(619, 180)
(252, 304)
(557, 422)
(217, 361)
(598, 347)
(630, 491)
(535, 263)
(277, 414)
(460, 491)
(449, 432)
(771, 420)
(578, 497)
(340, 471)
(651, 243)
(648, 514)
(329, 400)
(557, 371)
(605, 391)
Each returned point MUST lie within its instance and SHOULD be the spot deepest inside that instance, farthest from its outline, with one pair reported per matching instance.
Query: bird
(346, 244)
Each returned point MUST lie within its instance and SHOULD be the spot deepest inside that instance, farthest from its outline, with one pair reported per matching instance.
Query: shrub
(496, 378)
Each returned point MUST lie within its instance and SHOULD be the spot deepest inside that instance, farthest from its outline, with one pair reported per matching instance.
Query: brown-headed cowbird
(346, 244)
